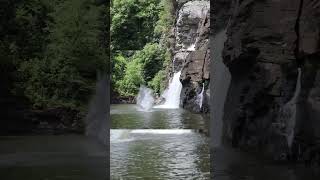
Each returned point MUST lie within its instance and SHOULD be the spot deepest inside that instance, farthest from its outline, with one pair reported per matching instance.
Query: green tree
(141, 68)
(32, 18)
(23, 36)
(67, 73)
(133, 23)
(151, 57)
(133, 78)
(142, 26)
(119, 64)
(166, 18)
(157, 83)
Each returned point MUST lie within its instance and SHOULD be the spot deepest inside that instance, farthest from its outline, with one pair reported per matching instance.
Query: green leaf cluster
(55, 50)
(133, 23)
(139, 33)
(140, 68)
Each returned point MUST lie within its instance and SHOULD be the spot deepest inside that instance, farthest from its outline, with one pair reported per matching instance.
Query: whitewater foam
(172, 94)
(145, 99)
(161, 131)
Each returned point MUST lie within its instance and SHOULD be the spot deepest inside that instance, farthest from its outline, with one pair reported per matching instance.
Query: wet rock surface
(190, 16)
(263, 56)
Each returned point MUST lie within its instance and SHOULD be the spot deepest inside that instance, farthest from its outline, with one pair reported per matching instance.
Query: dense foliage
(139, 32)
(52, 50)
(133, 23)
(140, 68)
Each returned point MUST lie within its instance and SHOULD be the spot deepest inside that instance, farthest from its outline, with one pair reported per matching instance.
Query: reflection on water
(68, 157)
(164, 154)
(230, 164)
(128, 116)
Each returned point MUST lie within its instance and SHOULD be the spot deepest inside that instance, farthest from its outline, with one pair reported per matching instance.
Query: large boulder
(187, 24)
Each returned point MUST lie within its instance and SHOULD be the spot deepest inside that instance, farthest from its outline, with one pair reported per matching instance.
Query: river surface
(65, 157)
(233, 164)
(159, 155)
(129, 116)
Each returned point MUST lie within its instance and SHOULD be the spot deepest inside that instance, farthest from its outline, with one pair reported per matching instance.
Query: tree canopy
(139, 30)
(54, 49)
(133, 23)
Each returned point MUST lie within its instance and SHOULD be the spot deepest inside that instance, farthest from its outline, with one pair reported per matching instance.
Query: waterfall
(200, 97)
(172, 94)
(287, 115)
(145, 98)
(221, 79)
(190, 13)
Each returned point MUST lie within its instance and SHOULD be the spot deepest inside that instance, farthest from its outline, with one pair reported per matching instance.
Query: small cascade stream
(288, 114)
(200, 97)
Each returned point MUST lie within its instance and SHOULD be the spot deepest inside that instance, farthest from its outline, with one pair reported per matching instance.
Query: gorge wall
(267, 42)
(190, 50)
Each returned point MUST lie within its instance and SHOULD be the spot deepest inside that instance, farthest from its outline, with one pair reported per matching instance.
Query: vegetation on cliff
(139, 31)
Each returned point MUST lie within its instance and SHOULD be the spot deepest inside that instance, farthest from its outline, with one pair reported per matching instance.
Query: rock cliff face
(267, 42)
(191, 53)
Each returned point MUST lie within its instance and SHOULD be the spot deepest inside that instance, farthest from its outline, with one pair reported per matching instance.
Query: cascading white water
(200, 97)
(221, 79)
(125, 135)
(288, 113)
(119, 135)
(192, 11)
(145, 98)
(172, 94)
(192, 47)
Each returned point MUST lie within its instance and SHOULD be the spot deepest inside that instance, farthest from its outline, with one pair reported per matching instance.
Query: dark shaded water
(231, 164)
(159, 154)
(68, 157)
(128, 116)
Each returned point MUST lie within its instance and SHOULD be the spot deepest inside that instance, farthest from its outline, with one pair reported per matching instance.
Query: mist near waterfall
(98, 115)
(145, 99)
